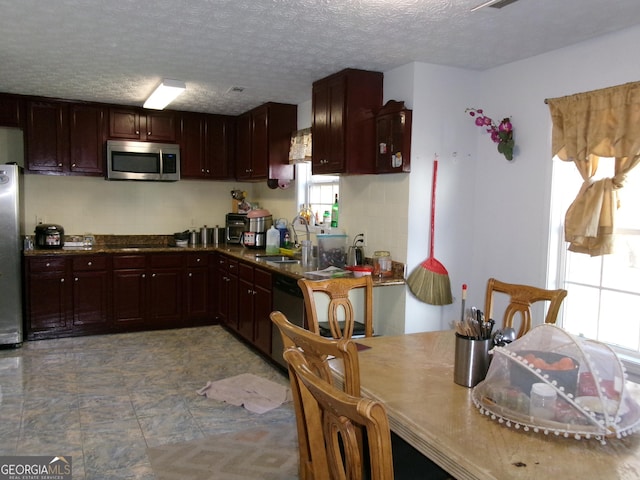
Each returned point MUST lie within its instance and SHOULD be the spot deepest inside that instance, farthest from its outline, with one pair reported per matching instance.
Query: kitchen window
(318, 191)
(604, 291)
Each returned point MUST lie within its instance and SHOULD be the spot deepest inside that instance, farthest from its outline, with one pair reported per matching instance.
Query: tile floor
(105, 399)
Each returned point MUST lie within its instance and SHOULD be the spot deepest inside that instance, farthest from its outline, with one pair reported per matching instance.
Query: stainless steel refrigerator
(11, 217)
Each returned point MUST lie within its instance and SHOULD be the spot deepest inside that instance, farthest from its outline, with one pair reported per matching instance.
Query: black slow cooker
(49, 235)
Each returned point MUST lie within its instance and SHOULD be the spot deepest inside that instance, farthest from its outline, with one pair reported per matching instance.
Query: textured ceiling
(117, 51)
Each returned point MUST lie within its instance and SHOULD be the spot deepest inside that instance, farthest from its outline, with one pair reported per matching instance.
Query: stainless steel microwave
(129, 160)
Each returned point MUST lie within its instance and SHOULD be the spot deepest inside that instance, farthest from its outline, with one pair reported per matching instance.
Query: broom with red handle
(429, 281)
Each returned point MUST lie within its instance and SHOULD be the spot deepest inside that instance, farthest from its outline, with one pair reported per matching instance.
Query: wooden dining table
(413, 376)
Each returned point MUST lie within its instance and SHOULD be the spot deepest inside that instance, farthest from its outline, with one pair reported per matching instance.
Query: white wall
(11, 146)
(438, 99)
(511, 216)
(86, 204)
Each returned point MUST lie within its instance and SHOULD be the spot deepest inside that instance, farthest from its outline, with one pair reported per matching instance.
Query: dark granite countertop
(117, 244)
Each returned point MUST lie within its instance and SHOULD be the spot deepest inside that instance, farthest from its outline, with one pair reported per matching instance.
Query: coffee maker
(355, 254)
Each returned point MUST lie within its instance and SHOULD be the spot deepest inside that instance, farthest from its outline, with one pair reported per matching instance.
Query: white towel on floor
(257, 394)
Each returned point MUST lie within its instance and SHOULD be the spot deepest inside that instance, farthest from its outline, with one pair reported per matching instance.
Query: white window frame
(566, 183)
(306, 182)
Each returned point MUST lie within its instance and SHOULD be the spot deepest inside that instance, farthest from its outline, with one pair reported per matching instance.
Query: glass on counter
(382, 265)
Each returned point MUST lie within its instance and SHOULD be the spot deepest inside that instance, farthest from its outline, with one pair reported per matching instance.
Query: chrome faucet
(293, 228)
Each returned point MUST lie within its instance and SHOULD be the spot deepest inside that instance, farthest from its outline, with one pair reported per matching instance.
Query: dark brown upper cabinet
(263, 140)
(344, 108)
(393, 138)
(144, 125)
(207, 145)
(65, 138)
(11, 111)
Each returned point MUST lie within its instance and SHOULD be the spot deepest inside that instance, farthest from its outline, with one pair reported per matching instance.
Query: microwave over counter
(129, 160)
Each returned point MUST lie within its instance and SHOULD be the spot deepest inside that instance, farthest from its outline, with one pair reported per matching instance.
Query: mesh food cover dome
(552, 382)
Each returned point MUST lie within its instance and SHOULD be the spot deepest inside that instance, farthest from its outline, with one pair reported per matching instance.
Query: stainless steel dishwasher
(287, 298)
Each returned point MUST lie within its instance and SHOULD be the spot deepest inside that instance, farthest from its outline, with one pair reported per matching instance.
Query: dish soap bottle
(334, 213)
(273, 241)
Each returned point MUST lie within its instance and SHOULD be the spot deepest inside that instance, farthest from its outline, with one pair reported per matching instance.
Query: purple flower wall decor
(501, 134)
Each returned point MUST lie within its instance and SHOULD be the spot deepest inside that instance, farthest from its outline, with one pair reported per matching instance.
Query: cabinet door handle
(59, 164)
(137, 132)
(48, 265)
(75, 279)
(190, 274)
(89, 264)
(149, 133)
(62, 280)
(153, 275)
(73, 165)
(198, 259)
(144, 275)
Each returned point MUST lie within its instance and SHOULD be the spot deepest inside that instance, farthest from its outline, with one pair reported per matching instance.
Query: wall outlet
(364, 238)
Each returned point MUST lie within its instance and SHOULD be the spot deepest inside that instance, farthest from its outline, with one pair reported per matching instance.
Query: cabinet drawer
(232, 266)
(246, 272)
(167, 260)
(198, 260)
(128, 261)
(90, 262)
(262, 278)
(222, 262)
(47, 264)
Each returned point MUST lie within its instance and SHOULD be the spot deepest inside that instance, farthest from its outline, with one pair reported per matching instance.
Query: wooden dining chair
(317, 351)
(521, 297)
(329, 306)
(336, 422)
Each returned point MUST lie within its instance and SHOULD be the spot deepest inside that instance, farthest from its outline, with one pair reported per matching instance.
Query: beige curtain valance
(587, 126)
(602, 122)
(300, 149)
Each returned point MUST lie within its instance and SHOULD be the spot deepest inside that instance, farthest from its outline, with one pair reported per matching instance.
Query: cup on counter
(307, 252)
(88, 240)
(471, 360)
(382, 266)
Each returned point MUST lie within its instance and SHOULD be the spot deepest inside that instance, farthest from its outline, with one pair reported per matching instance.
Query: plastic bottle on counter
(273, 241)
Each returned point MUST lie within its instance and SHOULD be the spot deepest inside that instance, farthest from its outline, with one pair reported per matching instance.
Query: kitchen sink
(276, 259)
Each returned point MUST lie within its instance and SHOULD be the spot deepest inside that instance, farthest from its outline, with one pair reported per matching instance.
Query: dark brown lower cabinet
(166, 275)
(91, 292)
(129, 298)
(254, 306)
(199, 278)
(69, 295)
(48, 297)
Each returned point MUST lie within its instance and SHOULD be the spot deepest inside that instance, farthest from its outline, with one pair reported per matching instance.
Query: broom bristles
(430, 283)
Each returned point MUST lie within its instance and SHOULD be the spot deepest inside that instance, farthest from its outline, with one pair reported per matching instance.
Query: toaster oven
(236, 225)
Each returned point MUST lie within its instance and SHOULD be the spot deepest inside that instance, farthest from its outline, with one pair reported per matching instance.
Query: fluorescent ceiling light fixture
(494, 4)
(166, 93)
